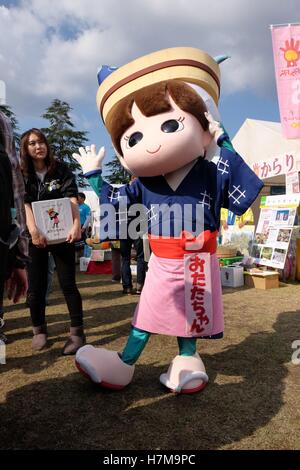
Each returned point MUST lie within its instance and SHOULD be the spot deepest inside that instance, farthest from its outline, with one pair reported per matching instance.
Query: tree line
(65, 140)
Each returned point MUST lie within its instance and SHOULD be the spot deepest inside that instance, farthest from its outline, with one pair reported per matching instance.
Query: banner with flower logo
(286, 49)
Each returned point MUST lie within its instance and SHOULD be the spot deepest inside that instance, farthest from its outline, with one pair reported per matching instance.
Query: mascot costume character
(161, 112)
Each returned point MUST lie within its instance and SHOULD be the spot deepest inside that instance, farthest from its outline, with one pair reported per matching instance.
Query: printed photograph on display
(262, 231)
(284, 235)
(285, 217)
(279, 256)
(261, 238)
(266, 253)
(282, 215)
(272, 236)
(255, 253)
(266, 215)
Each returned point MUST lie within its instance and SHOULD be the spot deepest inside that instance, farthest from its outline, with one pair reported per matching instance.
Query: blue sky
(52, 49)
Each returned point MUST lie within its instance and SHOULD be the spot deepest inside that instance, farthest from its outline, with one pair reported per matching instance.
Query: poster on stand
(274, 230)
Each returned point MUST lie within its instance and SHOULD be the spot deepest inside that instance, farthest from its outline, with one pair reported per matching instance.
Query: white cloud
(52, 48)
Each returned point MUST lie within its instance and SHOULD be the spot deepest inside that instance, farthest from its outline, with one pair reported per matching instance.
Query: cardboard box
(232, 276)
(266, 280)
(83, 263)
(53, 218)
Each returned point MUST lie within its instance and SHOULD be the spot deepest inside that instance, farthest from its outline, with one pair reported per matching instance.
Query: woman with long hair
(48, 178)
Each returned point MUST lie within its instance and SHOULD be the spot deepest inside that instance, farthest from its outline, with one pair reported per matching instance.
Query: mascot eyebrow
(182, 295)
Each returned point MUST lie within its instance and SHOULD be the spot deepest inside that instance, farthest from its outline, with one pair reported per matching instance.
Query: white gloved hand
(214, 127)
(88, 159)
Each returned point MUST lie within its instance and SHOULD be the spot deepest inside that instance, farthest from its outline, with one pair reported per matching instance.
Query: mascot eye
(133, 139)
(172, 125)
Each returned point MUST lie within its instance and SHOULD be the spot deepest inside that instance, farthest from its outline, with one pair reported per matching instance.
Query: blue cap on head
(104, 72)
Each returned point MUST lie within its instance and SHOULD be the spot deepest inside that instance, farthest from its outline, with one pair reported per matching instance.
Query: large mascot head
(154, 109)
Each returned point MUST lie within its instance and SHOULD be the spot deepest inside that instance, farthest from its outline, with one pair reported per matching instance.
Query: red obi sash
(169, 247)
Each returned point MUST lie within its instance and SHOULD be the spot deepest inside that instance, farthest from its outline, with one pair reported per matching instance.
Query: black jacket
(60, 184)
(9, 232)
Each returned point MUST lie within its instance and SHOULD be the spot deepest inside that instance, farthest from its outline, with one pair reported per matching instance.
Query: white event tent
(258, 141)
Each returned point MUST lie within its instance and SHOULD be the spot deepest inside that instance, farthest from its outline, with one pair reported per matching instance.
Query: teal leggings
(138, 339)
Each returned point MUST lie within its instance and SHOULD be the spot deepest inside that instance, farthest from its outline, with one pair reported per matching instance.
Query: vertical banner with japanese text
(198, 299)
(286, 50)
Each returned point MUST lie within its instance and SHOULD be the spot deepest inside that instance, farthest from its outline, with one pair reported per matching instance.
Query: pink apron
(161, 308)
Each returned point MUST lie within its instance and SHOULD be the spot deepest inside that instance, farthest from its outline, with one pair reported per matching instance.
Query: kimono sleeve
(114, 206)
(112, 194)
(238, 184)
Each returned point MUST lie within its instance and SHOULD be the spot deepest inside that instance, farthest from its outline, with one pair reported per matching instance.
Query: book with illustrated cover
(53, 218)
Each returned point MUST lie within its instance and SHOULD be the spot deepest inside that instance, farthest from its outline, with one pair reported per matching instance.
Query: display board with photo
(274, 230)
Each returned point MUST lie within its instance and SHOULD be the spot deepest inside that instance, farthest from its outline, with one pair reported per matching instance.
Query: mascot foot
(186, 374)
(103, 367)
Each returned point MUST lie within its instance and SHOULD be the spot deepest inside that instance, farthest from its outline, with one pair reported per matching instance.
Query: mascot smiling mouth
(155, 151)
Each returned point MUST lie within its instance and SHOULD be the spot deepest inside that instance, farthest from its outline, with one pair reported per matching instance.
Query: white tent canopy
(263, 140)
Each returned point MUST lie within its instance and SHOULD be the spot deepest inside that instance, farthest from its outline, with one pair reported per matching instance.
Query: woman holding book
(48, 178)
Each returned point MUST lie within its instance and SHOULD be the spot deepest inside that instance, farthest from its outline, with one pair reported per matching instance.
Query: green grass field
(251, 402)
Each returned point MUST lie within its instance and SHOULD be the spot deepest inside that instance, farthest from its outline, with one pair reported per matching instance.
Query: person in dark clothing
(47, 178)
(126, 245)
(125, 248)
(85, 219)
(6, 200)
(12, 270)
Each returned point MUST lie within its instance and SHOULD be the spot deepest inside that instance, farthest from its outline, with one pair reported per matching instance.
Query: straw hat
(184, 63)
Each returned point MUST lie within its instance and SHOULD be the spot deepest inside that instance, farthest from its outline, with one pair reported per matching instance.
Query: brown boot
(39, 340)
(75, 340)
